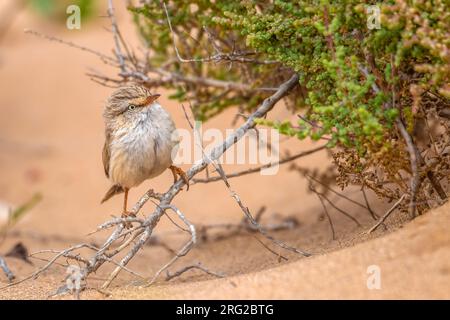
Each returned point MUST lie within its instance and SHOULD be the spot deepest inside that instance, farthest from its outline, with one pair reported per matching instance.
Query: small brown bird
(139, 141)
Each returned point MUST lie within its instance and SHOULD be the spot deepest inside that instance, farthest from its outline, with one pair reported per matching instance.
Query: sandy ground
(51, 135)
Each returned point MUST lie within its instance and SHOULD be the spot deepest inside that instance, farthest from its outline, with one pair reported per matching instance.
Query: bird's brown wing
(106, 154)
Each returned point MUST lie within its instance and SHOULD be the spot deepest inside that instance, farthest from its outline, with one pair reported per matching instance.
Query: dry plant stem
(263, 231)
(258, 169)
(247, 213)
(369, 208)
(78, 258)
(337, 193)
(243, 226)
(142, 240)
(105, 58)
(324, 197)
(198, 266)
(161, 75)
(219, 56)
(383, 218)
(38, 272)
(333, 233)
(6, 270)
(270, 250)
(415, 178)
(115, 30)
(434, 182)
(412, 150)
(177, 78)
(184, 250)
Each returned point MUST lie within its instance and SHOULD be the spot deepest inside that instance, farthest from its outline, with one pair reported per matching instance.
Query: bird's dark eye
(131, 107)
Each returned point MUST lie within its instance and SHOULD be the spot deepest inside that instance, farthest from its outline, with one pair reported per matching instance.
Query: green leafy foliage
(355, 82)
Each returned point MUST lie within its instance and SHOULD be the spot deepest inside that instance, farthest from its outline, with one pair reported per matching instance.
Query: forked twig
(383, 218)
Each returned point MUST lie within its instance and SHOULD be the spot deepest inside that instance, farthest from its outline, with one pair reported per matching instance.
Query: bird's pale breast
(142, 149)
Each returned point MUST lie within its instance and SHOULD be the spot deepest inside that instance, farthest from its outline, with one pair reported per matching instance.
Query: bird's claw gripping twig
(176, 171)
(127, 214)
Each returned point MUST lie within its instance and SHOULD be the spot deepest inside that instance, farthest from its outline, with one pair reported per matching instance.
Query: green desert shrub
(355, 83)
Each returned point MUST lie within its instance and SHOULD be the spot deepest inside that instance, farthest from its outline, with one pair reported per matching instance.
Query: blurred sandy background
(51, 136)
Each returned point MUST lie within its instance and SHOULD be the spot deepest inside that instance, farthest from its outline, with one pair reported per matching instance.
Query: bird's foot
(127, 214)
(176, 171)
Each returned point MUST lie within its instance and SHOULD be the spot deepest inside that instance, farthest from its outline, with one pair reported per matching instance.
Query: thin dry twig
(280, 257)
(198, 266)
(38, 272)
(412, 150)
(115, 30)
(105, 58)
(369, 208)
(322, 197)
(262, 167)
(359, 204)
(330, 221)
(383, 218)
(9, 274)
(244, 226)
(185, 249)
(219, 56)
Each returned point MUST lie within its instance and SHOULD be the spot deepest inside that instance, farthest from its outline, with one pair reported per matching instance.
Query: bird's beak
(150, 99)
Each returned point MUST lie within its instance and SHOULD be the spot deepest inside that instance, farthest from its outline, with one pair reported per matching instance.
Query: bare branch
(333, 233)
(38, 272)
(219, 56)
(383, 218)
(343, 196)
(184, 250)
(372, 213)
(198, 266)
(6, 270)
(105, 58)
(115, 30)
(412, 150)
(169, 77)
(266, 166)
(272, 251)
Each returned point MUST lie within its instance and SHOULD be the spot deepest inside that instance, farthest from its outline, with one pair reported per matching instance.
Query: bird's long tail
(115, 189)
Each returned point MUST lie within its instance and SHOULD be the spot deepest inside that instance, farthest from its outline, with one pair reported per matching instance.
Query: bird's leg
(125, 200)
(176, 171)
(125, 212)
